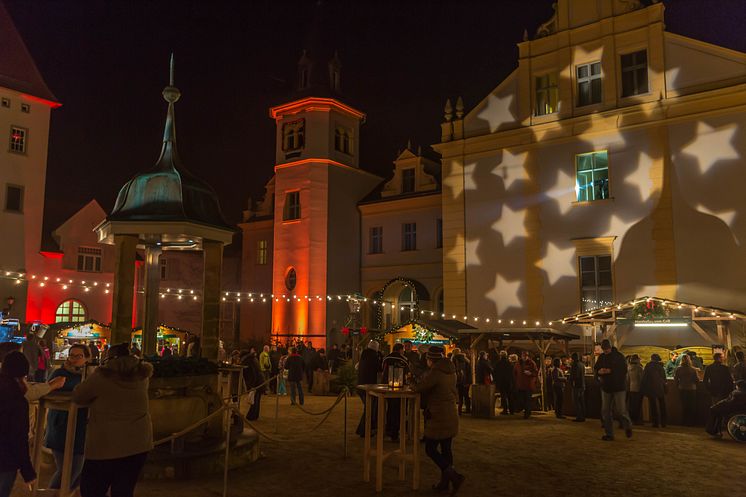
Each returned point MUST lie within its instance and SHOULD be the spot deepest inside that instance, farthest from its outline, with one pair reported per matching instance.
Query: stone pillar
(124, 288)
(213, 262)
(152, 294)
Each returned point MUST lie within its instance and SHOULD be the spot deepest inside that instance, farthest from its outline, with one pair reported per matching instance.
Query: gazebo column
(213, 262)
(152, 287)
(124, 288)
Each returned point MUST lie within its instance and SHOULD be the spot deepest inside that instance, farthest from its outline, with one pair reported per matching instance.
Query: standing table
(410, 411)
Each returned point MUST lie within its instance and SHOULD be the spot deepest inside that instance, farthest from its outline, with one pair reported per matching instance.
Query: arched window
(406, 305)
(70, 311)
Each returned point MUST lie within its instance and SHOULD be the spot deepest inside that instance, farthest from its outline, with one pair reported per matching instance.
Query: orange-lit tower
(318, 183)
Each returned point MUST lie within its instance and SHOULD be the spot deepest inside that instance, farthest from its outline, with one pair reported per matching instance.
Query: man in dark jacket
(367, 374)
(254, 379)
(503, 373)
(14, 453)
(309, 356)
(525, 373)
(483, 370)
(717, 379)
(577, 381)
(653, 386)
(294, 365)
(720, 411)
(333, 357)
(611, 370)
(463, 379)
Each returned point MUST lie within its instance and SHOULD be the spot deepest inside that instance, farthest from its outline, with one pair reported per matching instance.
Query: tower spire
(171, 94)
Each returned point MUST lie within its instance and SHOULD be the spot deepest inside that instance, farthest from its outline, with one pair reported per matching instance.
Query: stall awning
(522, 334)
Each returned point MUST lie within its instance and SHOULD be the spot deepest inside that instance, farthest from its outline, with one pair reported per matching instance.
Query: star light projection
(558, 262)
(708, 140)
(497, 111)
(505, 294)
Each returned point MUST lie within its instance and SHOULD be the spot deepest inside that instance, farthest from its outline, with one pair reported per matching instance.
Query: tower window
(25, 108)
(291, 211)
(291, 278)
(262, 250)
(6, 102)
(589, 84)
(14, 198)
(546, 94)
(18, 139)
(293, 135)
(164, 268)
(409, 236)
(407, 181)
(343, 140)
(375, 240)
(89, 259)
(592, 176)
(634, 73)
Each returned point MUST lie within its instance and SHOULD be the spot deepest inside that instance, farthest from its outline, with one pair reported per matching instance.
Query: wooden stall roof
(449, 328)
(523, 334)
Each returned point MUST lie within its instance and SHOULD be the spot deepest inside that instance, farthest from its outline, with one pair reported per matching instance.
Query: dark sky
(107, 62)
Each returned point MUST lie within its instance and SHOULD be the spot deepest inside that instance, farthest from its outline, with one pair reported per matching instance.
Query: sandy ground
(507, 456)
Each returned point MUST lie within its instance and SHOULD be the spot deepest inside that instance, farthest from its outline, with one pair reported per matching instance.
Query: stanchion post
(227, 449)
(277, 412)
(345, 422)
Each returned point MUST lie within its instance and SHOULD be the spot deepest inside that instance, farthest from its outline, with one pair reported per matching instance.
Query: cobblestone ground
(506, 456)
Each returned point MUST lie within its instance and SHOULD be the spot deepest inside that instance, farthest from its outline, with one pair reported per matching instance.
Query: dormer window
(343, 140)
(293, 135)
(407, 181)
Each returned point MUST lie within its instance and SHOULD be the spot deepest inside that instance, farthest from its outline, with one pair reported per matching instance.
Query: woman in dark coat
(253, 377)
(438, 389)
(483, 370)
(653, 386)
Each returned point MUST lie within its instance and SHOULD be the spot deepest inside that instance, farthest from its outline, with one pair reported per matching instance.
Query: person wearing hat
(721, 411)
(14, 453)
(439, 392)
(611, 370)
(119, 431)
(367, 374)
(653, 386)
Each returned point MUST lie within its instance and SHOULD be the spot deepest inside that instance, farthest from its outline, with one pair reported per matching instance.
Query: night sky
(106, 61)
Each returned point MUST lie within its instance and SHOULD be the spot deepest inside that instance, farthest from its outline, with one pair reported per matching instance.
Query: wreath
(650, 310)
(422, 334)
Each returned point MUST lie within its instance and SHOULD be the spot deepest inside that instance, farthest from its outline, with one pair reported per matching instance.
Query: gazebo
(165, 208)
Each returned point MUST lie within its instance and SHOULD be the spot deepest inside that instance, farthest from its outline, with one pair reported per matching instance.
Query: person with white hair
(367, 374)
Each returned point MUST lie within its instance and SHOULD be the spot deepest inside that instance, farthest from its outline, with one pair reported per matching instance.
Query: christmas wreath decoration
(650, 310)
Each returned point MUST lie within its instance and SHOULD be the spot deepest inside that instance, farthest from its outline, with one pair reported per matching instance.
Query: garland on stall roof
(650, 310)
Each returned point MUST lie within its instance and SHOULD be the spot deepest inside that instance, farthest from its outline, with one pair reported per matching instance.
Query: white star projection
(510, 224)
(511, 168)
(470, 183)
(558, 262)
(505, 294)
(640, 177)
(712, 145)
(497, 111)
(471, 247)
(563, 191)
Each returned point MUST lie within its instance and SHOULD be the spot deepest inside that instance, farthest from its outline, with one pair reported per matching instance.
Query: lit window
(25, 108)
(262, 252)
(6, 102)
(164, 268)
(634, 73)
(89, 259)
(407, 181)
(589, 84)
(546, 94)
(409, 236)
(291, 210)
(375, 241)
(14, 198)
(343, 140)
(595, 282)
(293, 135)
(18, 139)
(438, 233)
(592, 176)
(70, 311)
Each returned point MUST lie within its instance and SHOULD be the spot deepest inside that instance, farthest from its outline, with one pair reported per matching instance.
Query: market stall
(87, 332)
(441, 332)
(175, 338)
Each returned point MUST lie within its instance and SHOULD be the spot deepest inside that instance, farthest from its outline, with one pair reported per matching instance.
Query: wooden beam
(702, 332)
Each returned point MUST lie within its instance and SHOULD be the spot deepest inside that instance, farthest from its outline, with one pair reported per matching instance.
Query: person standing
(611, 370)
(438, 389)
(119, 434)
(294, 367)
(367, 374)
(72, 370)
(739, 368)
(483, 370)
(193, 349)
(503, 373)
(717, 379)
(672, 364)
(254, 379)
(14, 428)
(653, 386)
(525, 373)
(44, 362)
(577, 381)
(634, 382)
(558, 387)
(309, 357)
(265, 364)
(463, 379)
(686, 380)
(33, 353)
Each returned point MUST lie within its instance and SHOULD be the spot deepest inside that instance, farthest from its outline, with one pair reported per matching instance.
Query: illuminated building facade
(607, 166)
(25, 108)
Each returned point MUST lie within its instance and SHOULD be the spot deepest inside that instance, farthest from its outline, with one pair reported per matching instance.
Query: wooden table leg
(38, 438)
(366, 450)
(67, 460)
(379, 443)
(402, 438)
(416, 444)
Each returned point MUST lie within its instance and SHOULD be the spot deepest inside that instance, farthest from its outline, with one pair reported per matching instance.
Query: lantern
(396, 377)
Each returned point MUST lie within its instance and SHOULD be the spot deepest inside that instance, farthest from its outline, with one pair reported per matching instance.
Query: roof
(17, 68)
(523, 334)
(449, 328)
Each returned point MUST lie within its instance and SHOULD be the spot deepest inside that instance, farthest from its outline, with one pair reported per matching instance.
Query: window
(375, 240)
(595, 282)
(262, 252)
(407, 181)
(589, 84)
(70, 311)
(546, 94)
(18, 139)
(409, 236)
(14, 198)
(407, 305)
(592, 176)
(25, 108)
(89, 259)
(6, 102)
(293, 135)
(438, 233)
(634, 73)
(343, 140)
(291, 210)
(164, 268)
(291, 278)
